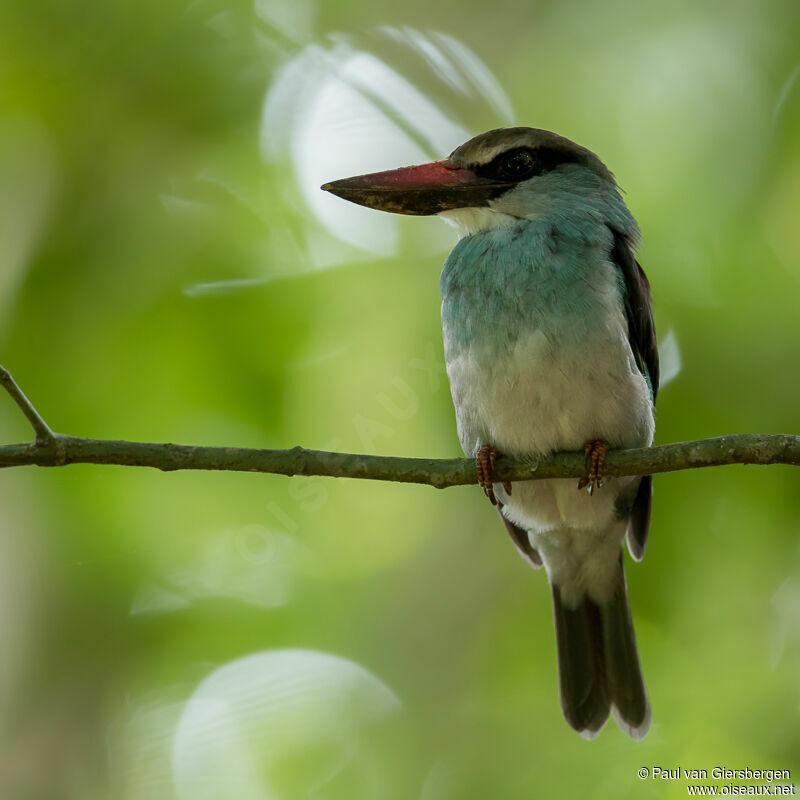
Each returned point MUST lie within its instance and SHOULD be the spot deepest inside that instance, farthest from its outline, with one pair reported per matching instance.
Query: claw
(484, 463)
(595, 464)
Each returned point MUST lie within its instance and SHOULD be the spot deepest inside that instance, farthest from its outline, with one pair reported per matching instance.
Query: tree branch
(50, 449)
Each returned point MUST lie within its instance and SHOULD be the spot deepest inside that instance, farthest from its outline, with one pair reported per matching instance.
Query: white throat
(472, 220)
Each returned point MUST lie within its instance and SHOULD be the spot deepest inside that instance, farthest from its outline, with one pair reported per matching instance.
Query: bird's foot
(595, 465)
(484, 463)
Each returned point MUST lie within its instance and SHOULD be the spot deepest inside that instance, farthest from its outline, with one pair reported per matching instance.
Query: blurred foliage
(132, 171)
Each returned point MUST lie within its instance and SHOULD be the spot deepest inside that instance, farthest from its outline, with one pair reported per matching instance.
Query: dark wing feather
(641, 330)
(642, 338)
(521, 539)
(639, 523)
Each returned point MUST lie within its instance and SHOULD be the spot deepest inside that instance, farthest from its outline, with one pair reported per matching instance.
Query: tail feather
(584, 699)
(630, 705)
(598, 664)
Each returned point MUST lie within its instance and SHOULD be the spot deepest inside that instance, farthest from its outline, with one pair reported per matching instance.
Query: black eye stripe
(509, 166)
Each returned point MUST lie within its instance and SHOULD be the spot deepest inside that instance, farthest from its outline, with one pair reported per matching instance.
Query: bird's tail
(598, 664)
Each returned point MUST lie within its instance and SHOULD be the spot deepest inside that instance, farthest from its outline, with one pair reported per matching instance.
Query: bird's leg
(484, 463)
(595, 465)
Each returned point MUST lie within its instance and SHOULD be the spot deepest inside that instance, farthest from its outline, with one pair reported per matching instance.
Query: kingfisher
(549, 346)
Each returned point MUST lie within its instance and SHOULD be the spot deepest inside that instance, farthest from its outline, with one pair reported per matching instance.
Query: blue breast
(500, 283)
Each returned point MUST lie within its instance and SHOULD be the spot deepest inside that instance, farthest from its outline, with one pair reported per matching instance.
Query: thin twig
(40, 428)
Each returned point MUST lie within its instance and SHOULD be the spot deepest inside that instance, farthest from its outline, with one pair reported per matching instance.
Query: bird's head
(504, 173)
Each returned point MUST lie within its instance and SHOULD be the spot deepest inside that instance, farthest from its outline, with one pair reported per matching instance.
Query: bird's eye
(516, 164)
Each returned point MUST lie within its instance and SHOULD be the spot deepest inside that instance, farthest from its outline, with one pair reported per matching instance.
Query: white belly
(537, 398)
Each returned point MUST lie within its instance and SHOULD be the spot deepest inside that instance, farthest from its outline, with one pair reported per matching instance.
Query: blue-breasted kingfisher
(549, 346)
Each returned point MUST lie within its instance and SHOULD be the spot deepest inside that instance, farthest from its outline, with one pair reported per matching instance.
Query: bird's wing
(641, 330)
(521, 539)
(642, 339)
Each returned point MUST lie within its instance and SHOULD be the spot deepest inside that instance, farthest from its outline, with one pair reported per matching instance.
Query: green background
(133, 168)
